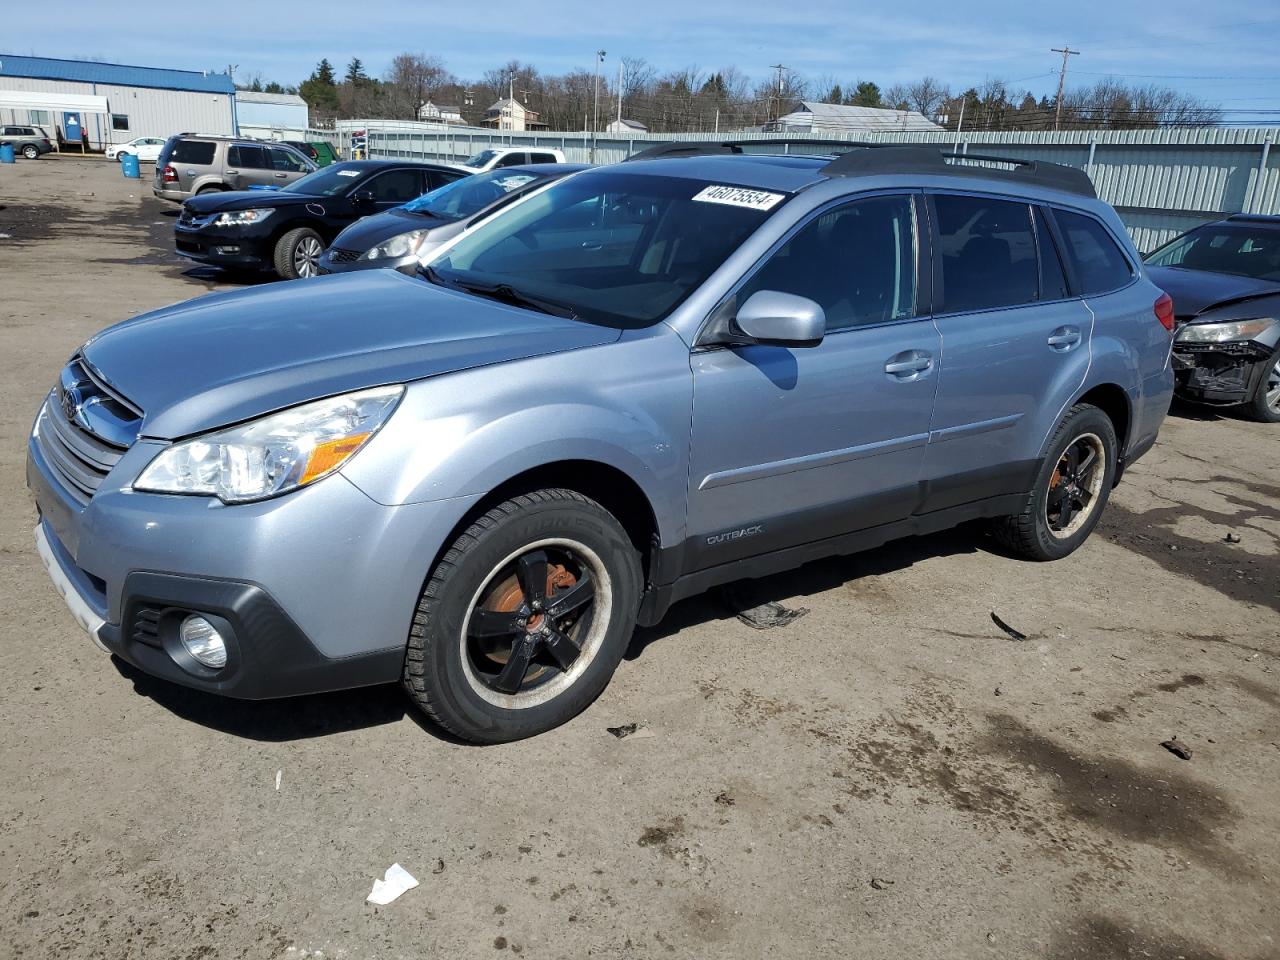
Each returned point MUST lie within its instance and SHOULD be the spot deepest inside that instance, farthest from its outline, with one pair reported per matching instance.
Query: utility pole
(595, 107)
(620, 95)
(1062, 80)
(778, 89)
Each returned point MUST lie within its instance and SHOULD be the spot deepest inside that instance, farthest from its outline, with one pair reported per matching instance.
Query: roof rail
(925, 159)
(695, 148)
(1256, 217)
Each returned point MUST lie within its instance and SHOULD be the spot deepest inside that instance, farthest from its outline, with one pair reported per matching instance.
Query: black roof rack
(925, 159)
(704, 148)
(1256, 217)
(858, 158)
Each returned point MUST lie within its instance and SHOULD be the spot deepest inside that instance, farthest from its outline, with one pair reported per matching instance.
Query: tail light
(170, 174)
(1164, 311)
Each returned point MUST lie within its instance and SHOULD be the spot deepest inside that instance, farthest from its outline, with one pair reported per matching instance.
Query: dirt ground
(889, 776)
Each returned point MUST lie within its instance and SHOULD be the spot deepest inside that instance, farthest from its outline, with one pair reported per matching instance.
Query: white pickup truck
(509, 157)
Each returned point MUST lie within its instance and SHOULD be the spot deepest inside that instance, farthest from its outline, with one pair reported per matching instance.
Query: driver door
(792, 445)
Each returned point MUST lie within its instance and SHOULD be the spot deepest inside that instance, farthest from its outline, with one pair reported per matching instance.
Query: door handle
(281, 176)
(1064, 338)
(233, 173)
(908, 365)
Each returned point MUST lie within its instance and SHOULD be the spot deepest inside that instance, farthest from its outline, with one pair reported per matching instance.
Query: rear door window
(515, 159)
(986, 252)
(198, 153)
(248, 157)
(1053, 281)
(536, 157)
(1095, 257)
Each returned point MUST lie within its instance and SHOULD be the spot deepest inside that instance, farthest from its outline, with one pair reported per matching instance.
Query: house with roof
(816, 118)
(510, 114)
(439, 113)
(626, 126)
(105, 103)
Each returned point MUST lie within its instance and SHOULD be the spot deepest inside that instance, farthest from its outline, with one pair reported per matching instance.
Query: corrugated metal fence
(1161, 181)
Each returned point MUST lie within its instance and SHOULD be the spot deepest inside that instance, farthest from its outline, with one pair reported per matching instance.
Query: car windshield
(618, 249)
(1239, 249)
(480, 159)
(462, 198)
(328, 181)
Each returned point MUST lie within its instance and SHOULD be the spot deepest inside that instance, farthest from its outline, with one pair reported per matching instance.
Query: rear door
(192, 159)
(796, 445)
(1015, 343)
(248, 165)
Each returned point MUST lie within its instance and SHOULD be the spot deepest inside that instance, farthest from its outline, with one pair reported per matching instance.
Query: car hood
(371, 231)
(1195, 291)
(218, 202)
(225, 358)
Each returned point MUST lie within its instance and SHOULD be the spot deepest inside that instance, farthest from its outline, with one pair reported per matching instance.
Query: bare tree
(926, 96)
(412, 80)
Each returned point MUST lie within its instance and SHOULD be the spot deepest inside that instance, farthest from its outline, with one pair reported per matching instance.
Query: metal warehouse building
(113, 103)
(271, 116)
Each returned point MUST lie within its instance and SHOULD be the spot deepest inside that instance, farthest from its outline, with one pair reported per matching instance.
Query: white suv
(510, 157)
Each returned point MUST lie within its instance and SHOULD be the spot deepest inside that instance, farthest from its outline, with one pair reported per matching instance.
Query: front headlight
(1224, 332)
(273, 454)
(398, 246)
(240, 218)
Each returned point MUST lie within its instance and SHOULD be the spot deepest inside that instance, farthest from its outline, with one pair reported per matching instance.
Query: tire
(457, 663)
(1040, 531)
(1265, 403)
(31, 152)
(212, 189)
(298, 254)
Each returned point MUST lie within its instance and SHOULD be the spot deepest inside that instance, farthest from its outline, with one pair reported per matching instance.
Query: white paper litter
(279, 774)
(393, 883)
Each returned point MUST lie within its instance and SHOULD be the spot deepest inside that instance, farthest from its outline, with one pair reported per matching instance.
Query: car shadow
(287, 719)
(1186, 410)
(819, 576)
(223, 277)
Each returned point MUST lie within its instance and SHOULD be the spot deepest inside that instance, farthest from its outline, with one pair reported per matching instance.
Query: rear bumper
(174, 194)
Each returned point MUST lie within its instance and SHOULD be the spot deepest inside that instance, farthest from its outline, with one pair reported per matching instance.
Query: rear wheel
(30, 152)
(524, 619)
(1072, 487)
(210, 189)
(1265, 403)
(298, 254)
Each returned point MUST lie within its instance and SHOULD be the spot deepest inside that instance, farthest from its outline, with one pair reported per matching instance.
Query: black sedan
(1224, 279)
(400, 238)
(287, 230)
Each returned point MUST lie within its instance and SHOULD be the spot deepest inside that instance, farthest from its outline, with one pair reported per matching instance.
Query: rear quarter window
(1097, 260)
(195, 152)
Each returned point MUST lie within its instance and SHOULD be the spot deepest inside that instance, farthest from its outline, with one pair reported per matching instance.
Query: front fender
(625, 405)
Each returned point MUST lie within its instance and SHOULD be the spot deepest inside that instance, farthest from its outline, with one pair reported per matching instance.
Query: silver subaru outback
(691, 368)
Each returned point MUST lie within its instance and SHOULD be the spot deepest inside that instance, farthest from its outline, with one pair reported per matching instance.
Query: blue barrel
(6, 153)
(129, 164)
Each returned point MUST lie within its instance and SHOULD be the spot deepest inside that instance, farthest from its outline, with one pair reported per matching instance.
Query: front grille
(84, 429)
(195, 221)
(343, 256)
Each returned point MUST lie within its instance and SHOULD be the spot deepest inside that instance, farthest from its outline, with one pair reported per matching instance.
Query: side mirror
(362, 198)
(781, 319)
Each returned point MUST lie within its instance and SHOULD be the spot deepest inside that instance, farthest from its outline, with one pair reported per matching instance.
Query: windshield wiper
(503, 293)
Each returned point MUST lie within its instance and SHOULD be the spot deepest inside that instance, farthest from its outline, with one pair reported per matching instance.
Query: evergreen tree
(866, 94)
(355, 71)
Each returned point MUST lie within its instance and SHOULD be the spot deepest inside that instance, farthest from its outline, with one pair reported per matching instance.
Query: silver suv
(191, 164)
(633, 384)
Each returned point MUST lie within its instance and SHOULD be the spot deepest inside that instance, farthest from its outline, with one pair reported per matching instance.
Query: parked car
(510, 157)
(192, 164)
(308, 150)
(31, 142)
(401, 237)
(287, 230)
(1224, 278)
(144, 148)
(642, 381)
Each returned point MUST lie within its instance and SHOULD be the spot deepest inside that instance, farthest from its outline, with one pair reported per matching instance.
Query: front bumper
(317, 588)
(407, 264)
(1221, 373)
(231, 247)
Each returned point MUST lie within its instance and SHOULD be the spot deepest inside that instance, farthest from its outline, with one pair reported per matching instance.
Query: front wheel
(30, 152)
(1265, 403)
(1070, 490)
(298, 254)
(524, 619)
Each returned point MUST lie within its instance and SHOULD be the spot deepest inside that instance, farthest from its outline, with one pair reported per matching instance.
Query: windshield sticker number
(347, 173)
(738, 197)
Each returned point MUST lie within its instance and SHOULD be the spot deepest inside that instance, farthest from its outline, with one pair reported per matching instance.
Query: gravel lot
(889, 776)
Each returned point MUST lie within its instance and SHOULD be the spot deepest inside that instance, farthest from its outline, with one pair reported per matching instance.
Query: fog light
(227, 251)
(202, 640)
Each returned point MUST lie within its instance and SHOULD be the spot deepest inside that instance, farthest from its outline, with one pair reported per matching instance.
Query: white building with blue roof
(111, 102)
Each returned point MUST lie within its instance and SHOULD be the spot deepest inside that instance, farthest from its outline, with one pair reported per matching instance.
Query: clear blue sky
(1225, 51)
